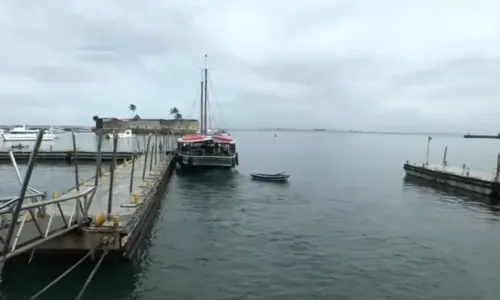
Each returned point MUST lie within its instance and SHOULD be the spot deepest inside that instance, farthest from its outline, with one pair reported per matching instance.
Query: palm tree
(132, 108)
(174, 111)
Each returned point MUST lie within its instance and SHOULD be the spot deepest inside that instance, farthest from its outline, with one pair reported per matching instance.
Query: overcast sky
(398, 65)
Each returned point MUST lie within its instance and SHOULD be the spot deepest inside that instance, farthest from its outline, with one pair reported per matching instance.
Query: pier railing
(37, 225)
(24, 221)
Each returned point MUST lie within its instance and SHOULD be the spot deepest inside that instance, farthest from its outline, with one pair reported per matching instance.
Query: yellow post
(28, 216)
(137, 198)
(99, 220)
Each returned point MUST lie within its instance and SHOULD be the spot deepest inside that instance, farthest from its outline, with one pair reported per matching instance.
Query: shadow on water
(455, 195)
(21, 281)
(209, 177)
(113, 280)
(122, 280)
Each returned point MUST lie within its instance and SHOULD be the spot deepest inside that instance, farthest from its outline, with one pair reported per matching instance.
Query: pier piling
(112, 176)
(146, 158)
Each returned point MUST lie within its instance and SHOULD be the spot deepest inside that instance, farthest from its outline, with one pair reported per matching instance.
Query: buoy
(55, 195)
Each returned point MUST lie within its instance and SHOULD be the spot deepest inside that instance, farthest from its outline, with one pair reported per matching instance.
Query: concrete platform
(475, 181)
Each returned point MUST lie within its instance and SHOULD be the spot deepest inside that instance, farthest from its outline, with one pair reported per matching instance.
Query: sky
(391, 65)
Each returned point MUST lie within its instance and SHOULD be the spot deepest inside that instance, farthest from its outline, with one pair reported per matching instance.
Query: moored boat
(21, 133)
(208, 149)
(204, 151)
(127, 134)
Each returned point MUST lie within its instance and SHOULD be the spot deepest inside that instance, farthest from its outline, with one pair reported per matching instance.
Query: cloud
(363, 64)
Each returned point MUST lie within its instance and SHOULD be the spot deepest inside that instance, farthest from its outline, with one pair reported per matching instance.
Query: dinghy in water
(280, 177)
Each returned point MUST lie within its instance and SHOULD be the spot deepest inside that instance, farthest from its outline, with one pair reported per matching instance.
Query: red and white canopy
(199, 138)
(194, 138)
(224, 139)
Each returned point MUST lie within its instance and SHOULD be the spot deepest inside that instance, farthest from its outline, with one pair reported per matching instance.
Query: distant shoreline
(322, 130)
(351, 131)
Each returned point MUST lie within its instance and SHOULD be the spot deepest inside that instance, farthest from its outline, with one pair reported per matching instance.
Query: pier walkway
(113, 206)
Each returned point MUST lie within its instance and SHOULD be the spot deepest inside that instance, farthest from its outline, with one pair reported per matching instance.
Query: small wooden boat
(279, 177)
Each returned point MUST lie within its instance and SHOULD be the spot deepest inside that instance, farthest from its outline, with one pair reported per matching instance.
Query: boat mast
(201, 104)
(206, 98)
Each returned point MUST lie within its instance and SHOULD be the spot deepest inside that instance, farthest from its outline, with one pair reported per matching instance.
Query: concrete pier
(463, 178)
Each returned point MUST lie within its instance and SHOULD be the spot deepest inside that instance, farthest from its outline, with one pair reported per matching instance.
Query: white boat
(122, 135)
(1, 132)
(21, 133)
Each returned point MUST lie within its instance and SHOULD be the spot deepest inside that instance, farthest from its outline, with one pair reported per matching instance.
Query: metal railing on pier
(31, 218)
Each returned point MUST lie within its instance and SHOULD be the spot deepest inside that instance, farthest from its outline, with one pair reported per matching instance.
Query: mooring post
(138, 147)
(112, 176)
(444, 156)
(19, 204)
(164, 153)
(156, 149)
(160, 147)
(146, 158)
(498, 167)
(132, 174)
(98, 170)
(151, 159)
(77, 180)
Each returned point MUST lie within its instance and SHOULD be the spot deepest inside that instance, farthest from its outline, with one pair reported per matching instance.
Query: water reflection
(452, 195)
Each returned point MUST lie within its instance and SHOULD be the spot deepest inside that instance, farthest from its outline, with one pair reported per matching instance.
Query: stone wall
(143, 126)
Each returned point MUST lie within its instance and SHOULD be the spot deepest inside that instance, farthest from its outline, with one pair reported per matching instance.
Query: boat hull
(270, 177)
(192, 162)
(26, 137)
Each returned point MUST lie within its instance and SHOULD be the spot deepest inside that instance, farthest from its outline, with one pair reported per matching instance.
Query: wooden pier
(65, 156)
(106, 216)
(86, 209)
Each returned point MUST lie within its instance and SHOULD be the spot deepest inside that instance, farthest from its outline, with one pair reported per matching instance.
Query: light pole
(444, 156)
(428, 146)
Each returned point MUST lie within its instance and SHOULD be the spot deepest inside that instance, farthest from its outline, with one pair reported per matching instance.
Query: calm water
(346, 227)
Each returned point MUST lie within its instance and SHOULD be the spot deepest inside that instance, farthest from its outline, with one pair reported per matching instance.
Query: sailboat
(207, 149)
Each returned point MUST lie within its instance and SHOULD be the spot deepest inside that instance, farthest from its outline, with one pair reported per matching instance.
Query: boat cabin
(200, 145)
